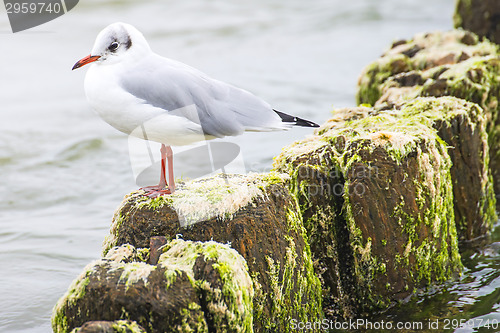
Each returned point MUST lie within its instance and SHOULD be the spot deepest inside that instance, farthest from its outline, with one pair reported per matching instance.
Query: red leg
(171, 180)
(161, 188)
(163, 180)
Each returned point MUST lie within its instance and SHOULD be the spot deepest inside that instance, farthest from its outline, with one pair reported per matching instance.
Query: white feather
(143, 94)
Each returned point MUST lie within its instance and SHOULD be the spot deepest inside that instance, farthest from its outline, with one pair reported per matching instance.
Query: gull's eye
(113, 46)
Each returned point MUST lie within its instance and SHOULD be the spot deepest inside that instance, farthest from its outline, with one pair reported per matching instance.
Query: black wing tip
(305, 123)
(286, 118)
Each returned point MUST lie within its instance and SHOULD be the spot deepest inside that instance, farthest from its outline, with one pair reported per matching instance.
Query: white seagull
(145, 95)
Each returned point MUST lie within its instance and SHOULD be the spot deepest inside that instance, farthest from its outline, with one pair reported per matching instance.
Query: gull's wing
(221, 109)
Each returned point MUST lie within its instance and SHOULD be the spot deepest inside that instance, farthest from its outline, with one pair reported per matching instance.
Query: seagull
(154, 98)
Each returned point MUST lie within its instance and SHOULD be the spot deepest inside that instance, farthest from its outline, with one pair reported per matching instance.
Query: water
(471, 304)
(63, 171)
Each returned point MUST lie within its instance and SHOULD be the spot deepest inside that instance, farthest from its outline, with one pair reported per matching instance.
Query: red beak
(87, 60)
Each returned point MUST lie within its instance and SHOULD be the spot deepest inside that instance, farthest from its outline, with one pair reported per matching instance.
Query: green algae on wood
(377, 72)
(462, 125)
(229, 299)
(220, 197)
(426, 54)
(454, 63)
(364, 184)
(254, 213)
(195, 287)
(478, 16)
(118, 326)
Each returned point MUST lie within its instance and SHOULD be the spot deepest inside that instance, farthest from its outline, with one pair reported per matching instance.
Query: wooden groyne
(353, 219)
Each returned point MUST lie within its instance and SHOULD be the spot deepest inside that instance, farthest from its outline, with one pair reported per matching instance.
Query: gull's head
(118, 41)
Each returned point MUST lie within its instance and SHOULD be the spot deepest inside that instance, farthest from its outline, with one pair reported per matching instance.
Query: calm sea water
(63, 171)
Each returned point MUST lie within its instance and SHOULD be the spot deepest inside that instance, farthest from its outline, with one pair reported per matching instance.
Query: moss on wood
(364, 184)
(195, 287)
(454, 63)
(254, 213)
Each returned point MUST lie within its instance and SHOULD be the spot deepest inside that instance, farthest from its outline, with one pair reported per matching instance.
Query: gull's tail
(296, 121)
